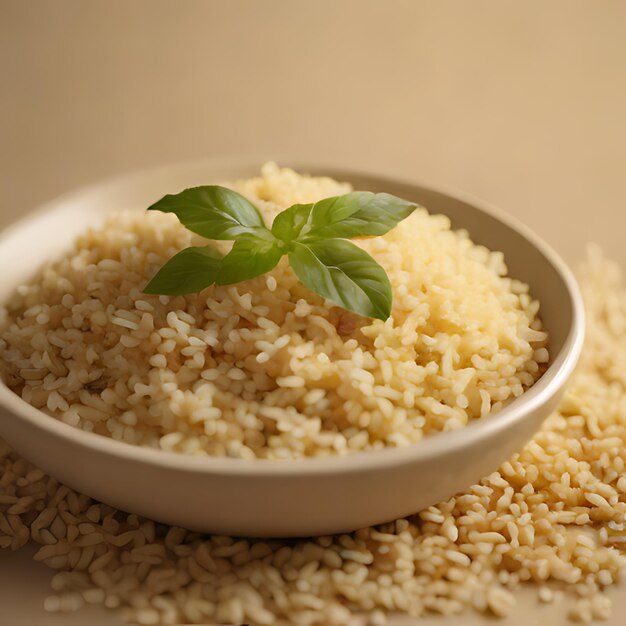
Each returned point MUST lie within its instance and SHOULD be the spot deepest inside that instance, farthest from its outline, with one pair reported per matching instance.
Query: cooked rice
(553, 514)
(267, 368)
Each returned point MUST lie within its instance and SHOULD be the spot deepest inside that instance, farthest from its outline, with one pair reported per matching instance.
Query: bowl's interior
(47, 233)
(50, 231)
(528, 261)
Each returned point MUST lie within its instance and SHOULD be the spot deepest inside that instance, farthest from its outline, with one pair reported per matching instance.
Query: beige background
(520, 103)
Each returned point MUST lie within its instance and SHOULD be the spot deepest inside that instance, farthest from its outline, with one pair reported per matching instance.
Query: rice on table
(267, 368)
(553, 514)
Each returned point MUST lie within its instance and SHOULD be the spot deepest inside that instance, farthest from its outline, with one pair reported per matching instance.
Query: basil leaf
(289, 223)
(212, 211)
(248, 258)
(356, 214)
(189, 271)
(343, 273)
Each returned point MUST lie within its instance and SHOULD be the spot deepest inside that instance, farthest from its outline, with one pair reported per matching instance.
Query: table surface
(519, 104)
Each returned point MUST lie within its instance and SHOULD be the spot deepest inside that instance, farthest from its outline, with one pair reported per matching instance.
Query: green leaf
(343, 273)
(356, 214)
(312, 234)
(189, 271)
(214, 212)
(248, 258)
(289, 223)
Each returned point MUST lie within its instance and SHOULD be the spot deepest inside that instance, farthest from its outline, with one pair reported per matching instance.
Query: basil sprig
(313, 236)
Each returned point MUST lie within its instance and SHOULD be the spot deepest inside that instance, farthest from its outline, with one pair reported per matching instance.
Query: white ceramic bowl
(287, 498)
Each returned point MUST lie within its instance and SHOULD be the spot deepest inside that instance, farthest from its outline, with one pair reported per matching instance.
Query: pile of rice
(553, 514)
(267, 368)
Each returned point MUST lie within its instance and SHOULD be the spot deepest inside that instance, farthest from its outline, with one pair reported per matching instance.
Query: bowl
(300, 497)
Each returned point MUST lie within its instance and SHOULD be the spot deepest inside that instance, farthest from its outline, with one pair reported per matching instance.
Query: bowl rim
(445, 442)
